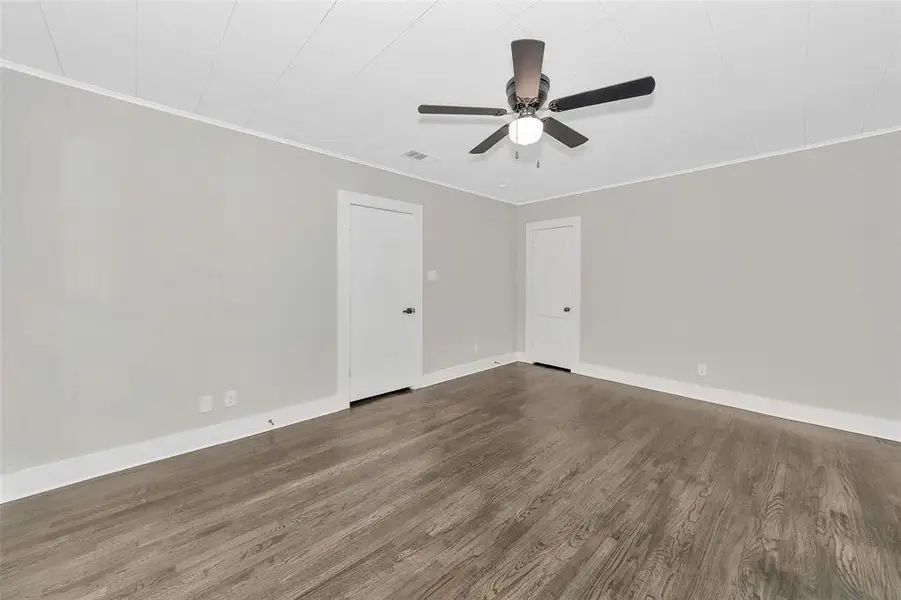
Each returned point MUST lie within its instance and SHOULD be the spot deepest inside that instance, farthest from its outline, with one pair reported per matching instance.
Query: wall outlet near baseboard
(206, 404)
(475, 348)
(231, 398)
(702, 369)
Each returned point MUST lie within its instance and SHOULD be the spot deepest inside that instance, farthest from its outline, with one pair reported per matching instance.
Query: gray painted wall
(150, 259)
(782, 274)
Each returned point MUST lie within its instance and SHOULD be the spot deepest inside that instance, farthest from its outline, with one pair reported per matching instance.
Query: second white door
(385, 290)
(553, 277)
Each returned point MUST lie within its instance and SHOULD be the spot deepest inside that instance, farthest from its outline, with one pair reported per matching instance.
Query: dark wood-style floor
(520, 482)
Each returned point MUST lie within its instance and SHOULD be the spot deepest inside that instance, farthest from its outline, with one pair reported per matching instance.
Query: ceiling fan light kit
(527, 93)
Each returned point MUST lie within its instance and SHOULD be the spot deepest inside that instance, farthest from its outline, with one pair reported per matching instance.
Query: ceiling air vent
(418, 156)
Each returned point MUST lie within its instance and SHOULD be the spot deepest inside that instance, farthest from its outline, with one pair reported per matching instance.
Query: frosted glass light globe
(525, 130)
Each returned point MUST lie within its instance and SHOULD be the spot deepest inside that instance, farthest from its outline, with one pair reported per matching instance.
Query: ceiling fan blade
(438, 109)
(620, 91)
(564, 134)
(490, 141)
(528, 56)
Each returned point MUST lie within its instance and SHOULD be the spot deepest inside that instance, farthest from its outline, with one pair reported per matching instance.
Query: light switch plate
(206, 404)
(231, 398)
(702, 369)
(432, 275)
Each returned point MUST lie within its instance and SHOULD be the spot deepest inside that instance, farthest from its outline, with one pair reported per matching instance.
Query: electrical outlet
(475, 348)
(702, 369)
(206, 404)
(231, 398)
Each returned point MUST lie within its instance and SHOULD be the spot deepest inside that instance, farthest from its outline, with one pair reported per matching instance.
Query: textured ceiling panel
(96, 41)
(25, 38)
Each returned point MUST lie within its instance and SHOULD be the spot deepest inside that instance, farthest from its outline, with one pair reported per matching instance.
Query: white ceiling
(734, 79)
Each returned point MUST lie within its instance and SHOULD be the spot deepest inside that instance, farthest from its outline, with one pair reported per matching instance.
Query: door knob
(409, 311)
(566, 309)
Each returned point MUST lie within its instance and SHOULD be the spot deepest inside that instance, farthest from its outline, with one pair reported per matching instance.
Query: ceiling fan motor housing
(544, 86)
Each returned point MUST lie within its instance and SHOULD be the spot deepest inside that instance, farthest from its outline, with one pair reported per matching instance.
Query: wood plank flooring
(520, 482)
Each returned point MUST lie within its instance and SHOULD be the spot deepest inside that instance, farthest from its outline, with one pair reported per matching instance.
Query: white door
(553, 277)
(385, 291)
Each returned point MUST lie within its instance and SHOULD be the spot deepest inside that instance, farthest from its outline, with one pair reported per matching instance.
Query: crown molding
(5, 64)
(728, 163)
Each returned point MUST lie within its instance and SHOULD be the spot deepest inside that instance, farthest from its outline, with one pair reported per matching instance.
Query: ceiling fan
(526, 94)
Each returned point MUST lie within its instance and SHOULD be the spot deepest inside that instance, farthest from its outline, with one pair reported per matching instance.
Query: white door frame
(576, 224)
(346, 199)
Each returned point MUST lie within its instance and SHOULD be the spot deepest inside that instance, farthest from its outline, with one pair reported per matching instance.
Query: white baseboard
(54, 475)
(35, 480)
(826, 417)
(467, 369)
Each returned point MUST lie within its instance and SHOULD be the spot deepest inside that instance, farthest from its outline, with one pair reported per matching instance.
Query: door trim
(576, 224)
(346, 199)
